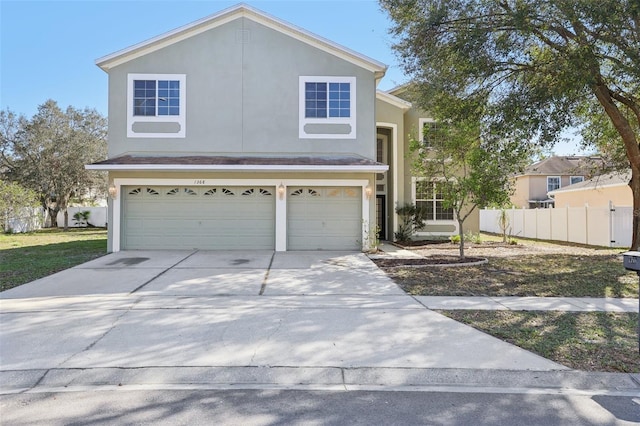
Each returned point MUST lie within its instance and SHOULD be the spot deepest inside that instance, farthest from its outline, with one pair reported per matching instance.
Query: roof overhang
(352, 164)
(228, 15)
(393, 100)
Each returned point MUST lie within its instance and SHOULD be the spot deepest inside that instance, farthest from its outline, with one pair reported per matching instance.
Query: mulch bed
(431, 260)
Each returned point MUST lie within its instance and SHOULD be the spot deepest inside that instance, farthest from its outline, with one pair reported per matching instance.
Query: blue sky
(48, 48)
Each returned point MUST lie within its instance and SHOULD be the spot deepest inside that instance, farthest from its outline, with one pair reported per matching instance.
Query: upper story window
(576, 179)
(156, 105)
(553, 183)
(327, 107)
(324, 100)
(156, 97)
(428, 132)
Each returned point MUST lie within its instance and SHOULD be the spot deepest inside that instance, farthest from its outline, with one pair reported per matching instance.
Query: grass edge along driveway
(29, 256)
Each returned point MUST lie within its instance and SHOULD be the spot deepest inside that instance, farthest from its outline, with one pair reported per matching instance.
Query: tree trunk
(624, 129)
(461, 233)
(66, 220)
(53, 215)
(634, 184)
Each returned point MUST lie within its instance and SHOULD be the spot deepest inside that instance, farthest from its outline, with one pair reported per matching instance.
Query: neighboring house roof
(564, 165)
(399, 89)
(393, 100)
(603, 181)
(230, 14)
(352, 163)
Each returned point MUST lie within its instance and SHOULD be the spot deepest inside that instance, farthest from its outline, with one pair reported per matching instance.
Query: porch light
(281, 191)
(113, 192)
(368, 191)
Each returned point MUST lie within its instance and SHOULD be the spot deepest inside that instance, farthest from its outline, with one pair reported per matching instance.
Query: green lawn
(26, 257)
(588, 341)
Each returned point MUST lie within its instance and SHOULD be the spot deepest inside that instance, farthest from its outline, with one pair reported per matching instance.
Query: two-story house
(533, 186)
(241, 131)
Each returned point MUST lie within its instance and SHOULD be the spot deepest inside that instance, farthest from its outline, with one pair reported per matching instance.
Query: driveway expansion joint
(263, 287)
(163, 272)
(103, 335)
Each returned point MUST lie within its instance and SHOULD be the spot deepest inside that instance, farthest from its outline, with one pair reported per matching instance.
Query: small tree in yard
(468, 172)
(15, 201)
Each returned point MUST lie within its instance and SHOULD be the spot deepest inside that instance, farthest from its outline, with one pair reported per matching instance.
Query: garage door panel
(324, 218)
(198, 217)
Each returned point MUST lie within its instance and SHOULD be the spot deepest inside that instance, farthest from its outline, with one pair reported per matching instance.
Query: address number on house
(199, 182)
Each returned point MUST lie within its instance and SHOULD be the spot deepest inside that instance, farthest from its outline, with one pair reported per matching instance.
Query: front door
(381, 218)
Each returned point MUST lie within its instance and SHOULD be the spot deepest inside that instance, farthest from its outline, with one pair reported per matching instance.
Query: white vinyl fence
(32, 219)
(597, 226)
(97, 216)
(27, 220)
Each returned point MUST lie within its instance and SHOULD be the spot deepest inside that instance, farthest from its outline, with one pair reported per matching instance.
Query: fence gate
(621, 226)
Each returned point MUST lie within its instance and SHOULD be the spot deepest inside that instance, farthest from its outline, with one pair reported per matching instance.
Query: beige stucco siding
(533, 187)
(598, 197)
(520, 197)
(390, 122)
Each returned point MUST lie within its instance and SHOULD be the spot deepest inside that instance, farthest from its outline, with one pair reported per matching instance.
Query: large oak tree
(48, 152)
(528, 69)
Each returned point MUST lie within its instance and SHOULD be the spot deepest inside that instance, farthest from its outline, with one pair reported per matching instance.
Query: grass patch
(588, 341)
(542, 275)
(26, 257)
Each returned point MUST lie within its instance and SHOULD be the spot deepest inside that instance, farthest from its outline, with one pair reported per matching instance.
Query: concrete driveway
(179, 309)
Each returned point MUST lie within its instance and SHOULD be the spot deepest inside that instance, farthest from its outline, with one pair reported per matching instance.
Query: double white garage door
(236, 218)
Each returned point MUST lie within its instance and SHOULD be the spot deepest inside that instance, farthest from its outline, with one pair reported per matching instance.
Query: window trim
(180, 119)
(421, 123)
(303, 120)
(559, 183)
(414, 193)
(571, 178)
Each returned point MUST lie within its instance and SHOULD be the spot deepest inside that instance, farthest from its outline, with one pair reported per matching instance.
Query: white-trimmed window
(576, 179)
(428, 139)
(553, 183)
(428, 197)
(327, 107)
(156, 105)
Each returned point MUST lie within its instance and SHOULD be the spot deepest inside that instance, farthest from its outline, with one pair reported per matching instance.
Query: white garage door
(320, 218)
(163, 217)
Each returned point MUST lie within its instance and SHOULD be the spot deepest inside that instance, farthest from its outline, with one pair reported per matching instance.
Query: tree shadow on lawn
(559, 275)
(589, 341)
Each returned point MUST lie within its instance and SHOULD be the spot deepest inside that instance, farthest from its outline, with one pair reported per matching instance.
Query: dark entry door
(381, 216)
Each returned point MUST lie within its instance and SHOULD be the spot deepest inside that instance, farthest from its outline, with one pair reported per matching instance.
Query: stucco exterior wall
(242, 94)
(520, 197)
(533, 187)
(598, 197)
(390, 122)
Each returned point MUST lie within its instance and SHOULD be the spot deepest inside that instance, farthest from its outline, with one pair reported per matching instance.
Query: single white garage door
(320, 218)
(208, 218)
